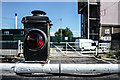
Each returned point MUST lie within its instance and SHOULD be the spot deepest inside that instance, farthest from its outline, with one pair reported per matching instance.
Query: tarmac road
(43, 76)
(75, 76)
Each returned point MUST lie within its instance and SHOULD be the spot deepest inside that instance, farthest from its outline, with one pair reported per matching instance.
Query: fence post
(19, 46)
(96, 52)
(66, 47)
(51, 46)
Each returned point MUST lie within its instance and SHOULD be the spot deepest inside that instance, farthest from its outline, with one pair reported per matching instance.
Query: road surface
(73, 76)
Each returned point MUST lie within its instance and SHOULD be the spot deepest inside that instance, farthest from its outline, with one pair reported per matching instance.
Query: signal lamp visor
(35, 40)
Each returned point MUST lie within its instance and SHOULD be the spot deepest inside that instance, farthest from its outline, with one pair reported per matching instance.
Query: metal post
(61, 32)
(81, 27)
(112, 30)
(15, 20)
(88, 18)
(51, 50)
(19, 46)
(66, 47)
(96, 52)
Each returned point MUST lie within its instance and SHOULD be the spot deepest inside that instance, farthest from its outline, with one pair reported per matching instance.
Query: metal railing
(11, 48)
(69, 47)
(63, 48)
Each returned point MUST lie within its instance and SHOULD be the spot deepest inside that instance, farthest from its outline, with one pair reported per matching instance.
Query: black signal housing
(36, 37)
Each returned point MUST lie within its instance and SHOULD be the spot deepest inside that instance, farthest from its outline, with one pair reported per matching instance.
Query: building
(109, 20)
(99, 20)
(12, 34)
(115, 43)
(90, 18)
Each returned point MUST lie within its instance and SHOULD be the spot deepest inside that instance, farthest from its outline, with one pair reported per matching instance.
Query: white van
(85, 44)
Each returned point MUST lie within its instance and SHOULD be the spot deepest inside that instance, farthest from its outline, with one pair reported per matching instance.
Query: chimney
(15, 20)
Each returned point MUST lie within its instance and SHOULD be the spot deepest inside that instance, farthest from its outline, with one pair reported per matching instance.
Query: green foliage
(111, 53)
(117, 53)
(65, 33)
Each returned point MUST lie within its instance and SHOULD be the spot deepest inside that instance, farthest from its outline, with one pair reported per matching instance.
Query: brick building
(98, 19)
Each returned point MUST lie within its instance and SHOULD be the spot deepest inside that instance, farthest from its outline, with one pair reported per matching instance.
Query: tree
(64, 33)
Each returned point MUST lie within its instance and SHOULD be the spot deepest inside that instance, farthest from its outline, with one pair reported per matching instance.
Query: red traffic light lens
(34, 40)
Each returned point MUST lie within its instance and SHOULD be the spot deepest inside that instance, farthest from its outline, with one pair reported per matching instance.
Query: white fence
(8, 52)
(11, 51)
(63, 48)
(66, 48)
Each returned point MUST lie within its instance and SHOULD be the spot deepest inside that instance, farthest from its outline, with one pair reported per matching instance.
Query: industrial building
(90, 19)
(99, 19)
(12, 34)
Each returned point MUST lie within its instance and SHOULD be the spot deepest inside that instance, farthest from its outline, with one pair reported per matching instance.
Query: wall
(116, 30)
(109, 13)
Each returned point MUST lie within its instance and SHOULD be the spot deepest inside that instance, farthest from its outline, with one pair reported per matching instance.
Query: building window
(22, 32)
(6, 32)
(105, 38)
(93, 31)
(93, 37)
(107, 31)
